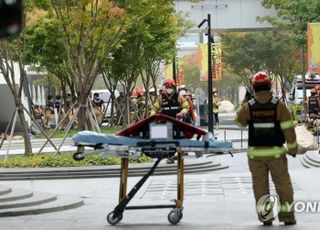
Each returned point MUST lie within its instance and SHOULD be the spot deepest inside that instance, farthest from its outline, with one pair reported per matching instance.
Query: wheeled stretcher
(158, 137)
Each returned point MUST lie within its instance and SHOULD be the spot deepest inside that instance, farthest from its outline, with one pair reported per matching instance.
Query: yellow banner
(180, 71)
(203, 61)
(217, 65)
(313, 33)
(168, 69)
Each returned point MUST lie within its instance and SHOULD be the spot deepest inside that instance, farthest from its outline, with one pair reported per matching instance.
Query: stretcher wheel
(113, 219)
(78, 156)
(175, 216)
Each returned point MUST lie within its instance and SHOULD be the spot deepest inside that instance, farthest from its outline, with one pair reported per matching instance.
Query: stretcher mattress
(92, 138)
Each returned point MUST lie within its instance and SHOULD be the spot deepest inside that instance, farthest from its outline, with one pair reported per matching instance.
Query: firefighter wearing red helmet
(270, 126)
(170, 102)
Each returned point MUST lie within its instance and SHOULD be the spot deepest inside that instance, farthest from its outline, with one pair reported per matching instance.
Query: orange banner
(313, 34)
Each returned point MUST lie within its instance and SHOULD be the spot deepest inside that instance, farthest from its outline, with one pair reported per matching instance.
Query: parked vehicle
(296, 100)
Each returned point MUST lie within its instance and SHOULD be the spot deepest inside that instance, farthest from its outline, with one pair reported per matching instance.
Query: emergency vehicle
(296, 100)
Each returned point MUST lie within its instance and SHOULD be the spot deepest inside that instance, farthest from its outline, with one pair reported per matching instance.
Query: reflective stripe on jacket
(283, 115)
(264, 126)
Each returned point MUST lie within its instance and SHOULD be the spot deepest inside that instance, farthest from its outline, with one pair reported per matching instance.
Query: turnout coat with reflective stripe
(170, 105)
(313, 104)
(283, 116)
(264, 127)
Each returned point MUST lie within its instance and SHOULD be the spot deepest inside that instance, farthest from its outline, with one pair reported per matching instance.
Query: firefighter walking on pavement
(270, 127)
(172, 104)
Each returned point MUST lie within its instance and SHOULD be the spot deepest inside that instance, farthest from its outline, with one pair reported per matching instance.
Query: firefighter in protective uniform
(191, 116)
(270, 126)
(171, 103)
(313, 106)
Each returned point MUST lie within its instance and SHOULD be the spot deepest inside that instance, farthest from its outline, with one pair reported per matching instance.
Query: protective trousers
(278, 167)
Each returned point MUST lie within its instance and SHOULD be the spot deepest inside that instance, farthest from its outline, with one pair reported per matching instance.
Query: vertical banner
(313, 34)
(216, 58)
(180, 71)
(179, 68)
(203, 61)
(168, 70)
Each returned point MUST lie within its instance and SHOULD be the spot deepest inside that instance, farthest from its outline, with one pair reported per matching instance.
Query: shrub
(63, 160)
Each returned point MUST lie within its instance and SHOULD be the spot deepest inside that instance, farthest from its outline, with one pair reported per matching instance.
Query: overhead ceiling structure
(227, 15)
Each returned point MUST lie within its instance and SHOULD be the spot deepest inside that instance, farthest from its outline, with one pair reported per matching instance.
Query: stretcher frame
(174, 216)
(172, 148)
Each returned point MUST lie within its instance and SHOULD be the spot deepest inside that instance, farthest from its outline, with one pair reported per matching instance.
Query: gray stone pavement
(215, 200)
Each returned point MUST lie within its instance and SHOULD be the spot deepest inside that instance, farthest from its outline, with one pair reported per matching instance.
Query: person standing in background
(216, 102)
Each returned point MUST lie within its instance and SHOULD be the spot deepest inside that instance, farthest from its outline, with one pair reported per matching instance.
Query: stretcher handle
(155, 142)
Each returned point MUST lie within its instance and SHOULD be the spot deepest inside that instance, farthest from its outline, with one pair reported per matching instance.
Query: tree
(151, 40)
(293, 15)
(13, 51)
(191, 70)
(45, 51)
(166, 26)
(90, 29)
(248, 53)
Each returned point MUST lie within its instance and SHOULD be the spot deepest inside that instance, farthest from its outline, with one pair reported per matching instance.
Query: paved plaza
(221, 199)
(216, 200)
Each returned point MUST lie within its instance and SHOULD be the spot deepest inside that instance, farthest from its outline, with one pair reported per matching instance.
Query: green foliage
(293, 15)
(191, 71)
(247, 53)
(44, 44)
(152, 37)
(63, 160)
(30, 5)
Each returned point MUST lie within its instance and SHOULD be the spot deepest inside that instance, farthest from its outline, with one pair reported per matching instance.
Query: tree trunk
(25, 130)
(82, 117)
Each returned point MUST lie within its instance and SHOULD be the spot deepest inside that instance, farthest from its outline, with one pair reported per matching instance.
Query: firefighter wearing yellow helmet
(270, 126)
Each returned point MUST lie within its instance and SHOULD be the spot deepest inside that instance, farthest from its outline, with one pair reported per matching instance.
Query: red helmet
(140, 92)
(214, 90)
(134, 93)
(261, 78)
(170, 82)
